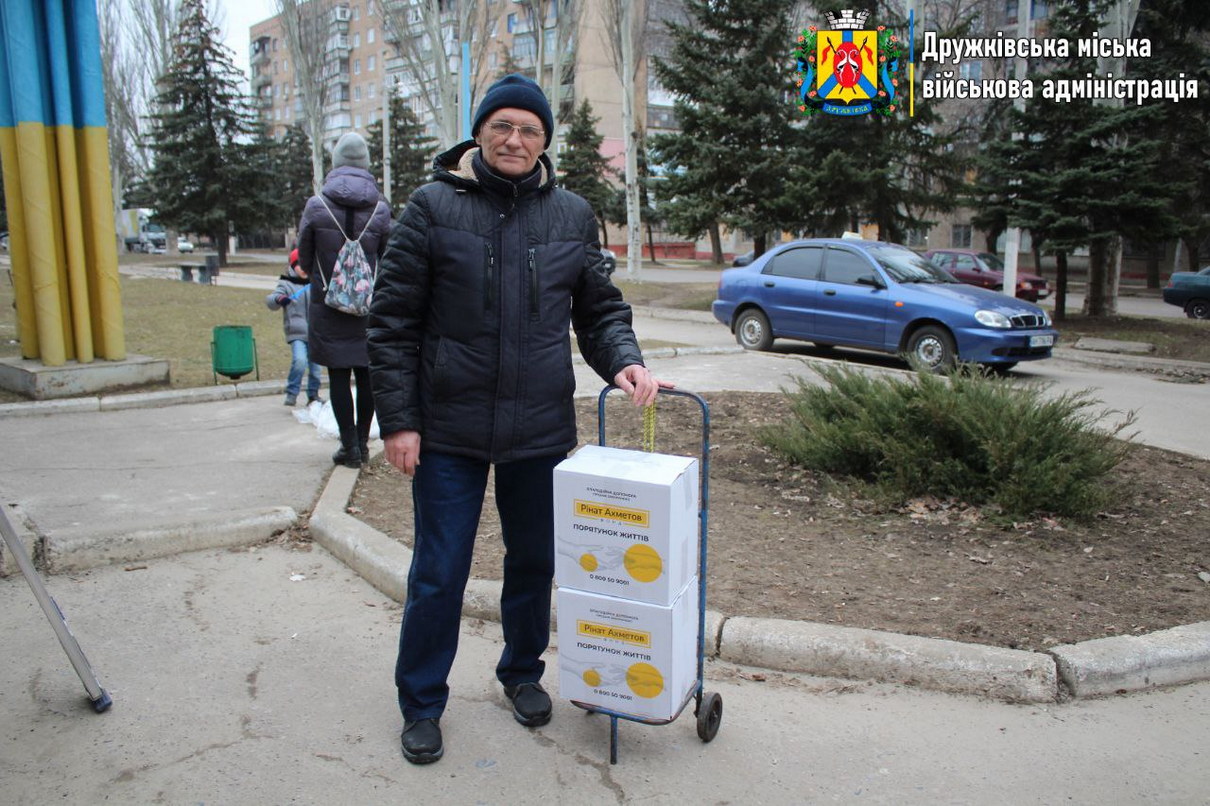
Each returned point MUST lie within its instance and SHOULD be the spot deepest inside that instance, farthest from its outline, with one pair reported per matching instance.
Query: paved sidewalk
(231, 677)
(264, 676)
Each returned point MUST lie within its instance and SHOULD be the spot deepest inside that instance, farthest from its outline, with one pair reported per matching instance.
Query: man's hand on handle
(636, 381)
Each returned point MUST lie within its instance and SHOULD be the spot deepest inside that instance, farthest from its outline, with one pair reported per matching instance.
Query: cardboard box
(626, 523)
(634, 658)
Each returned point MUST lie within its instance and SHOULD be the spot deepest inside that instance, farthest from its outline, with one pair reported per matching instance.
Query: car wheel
(1198, 309)
(752, 330)
(932, 348)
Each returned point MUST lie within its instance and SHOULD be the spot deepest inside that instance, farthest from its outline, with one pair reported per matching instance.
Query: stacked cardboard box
(627, 537)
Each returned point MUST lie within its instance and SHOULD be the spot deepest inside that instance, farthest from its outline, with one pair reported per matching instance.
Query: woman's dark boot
(349, 454)
(363, 441)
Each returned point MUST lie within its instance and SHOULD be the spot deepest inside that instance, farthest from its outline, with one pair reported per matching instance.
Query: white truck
(138, 233)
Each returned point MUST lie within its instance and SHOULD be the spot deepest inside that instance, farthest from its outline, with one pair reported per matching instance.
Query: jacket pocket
(489, 275)
(532, 277)
(440, 375)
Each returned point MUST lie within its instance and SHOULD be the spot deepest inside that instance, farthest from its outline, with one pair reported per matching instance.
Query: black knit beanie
(515, 91)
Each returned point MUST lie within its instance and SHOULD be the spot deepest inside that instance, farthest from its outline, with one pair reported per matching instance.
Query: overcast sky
(237, 17)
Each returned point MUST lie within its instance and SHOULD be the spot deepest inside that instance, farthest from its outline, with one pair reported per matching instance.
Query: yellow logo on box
(594, 509)
(591, 629)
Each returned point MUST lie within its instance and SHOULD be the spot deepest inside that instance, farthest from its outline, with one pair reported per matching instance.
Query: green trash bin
(233, 352)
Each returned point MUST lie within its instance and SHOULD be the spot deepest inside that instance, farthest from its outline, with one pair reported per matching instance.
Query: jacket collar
(464, 167)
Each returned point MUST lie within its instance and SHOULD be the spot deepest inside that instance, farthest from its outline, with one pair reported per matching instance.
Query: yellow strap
(649, 428)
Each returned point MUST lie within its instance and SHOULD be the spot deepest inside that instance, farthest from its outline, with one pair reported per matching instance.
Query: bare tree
(566, 21)
(625, 27)
(428, 37)
(309, 29)
(136, 47)
(122, 78)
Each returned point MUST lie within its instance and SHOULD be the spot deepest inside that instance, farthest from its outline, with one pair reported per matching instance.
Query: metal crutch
(99, 697)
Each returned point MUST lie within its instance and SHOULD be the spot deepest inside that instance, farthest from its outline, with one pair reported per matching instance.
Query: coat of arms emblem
(849, 68)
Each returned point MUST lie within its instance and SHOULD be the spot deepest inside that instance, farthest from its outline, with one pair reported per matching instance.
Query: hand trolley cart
(709, 705)
(98, 696)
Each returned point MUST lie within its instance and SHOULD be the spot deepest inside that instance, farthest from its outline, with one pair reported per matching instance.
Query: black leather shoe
(531, 704)
(421, 741)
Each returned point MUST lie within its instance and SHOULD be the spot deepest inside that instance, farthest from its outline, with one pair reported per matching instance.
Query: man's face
(514, 151)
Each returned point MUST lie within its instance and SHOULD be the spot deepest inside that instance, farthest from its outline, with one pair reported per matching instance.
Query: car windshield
(993, 262)
(905, 266)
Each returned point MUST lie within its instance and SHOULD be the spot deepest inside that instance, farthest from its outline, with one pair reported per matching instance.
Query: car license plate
(1041, 341)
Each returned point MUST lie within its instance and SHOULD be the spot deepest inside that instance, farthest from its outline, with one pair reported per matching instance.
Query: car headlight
(992, 319)
(1045, 319)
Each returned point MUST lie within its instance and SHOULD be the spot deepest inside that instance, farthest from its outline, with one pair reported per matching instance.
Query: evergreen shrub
(968, 435)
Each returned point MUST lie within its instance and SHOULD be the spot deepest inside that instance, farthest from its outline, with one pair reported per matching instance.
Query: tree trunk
(1094, 293)
(760, 244)
(220, 246)
(651, 242)
(1113, 275)
(1153, 267)
(716, 245)
(634, 242)
(1060, 285)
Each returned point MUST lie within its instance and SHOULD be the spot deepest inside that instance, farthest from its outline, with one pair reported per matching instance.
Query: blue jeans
(447, 494)
(299, 364)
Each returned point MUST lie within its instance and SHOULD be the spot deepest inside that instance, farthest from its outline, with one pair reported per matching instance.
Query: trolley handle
(705, 469)
(663, 391)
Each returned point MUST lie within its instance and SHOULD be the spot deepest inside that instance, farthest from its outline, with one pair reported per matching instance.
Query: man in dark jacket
(471, 366)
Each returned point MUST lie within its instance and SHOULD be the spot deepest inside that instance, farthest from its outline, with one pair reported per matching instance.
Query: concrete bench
(205, 274)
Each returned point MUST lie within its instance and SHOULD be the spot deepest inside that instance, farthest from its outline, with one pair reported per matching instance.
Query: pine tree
(1082, 173)
(1179, 31)
(728, 163)
(294, 180)
(261, 205)
(202, 178)
(411, 153)
(583, 169)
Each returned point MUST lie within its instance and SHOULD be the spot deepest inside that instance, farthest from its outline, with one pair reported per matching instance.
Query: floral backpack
(352, 281)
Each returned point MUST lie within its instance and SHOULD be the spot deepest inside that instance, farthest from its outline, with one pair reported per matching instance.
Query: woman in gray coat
(351, 203)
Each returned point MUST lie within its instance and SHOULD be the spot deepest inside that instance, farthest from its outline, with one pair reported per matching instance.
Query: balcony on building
(259, 52)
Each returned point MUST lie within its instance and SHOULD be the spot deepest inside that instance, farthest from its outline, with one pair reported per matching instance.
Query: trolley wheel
(709, 715)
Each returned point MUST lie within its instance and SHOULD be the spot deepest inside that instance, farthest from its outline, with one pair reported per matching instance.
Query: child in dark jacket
(293, 296)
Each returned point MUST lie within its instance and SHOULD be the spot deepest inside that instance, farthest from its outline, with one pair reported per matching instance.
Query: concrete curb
(142, 400)
(1103, 666)
(78, 549)
(1134, 363)
(994, 672)
(1133, 662)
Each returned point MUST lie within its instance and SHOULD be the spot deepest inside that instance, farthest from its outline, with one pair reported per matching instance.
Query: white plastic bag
(324, 419)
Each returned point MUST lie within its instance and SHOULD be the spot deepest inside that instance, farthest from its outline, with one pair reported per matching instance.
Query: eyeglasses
(504, 130)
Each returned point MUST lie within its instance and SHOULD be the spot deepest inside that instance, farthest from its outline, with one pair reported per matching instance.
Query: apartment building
(357, 51)
(367, 62)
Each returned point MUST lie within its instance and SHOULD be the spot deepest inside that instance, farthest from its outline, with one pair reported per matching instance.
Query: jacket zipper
(533, 283)
(489, 273)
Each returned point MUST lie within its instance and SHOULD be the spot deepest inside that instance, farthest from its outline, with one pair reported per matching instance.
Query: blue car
(1191, 291)
(878, 296)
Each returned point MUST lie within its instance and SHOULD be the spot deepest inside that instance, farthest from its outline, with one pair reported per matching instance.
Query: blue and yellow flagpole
(912, 63)
(54, 153)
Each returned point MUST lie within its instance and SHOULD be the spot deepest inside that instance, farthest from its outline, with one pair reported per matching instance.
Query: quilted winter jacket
(338, 339)
(296, 313)
(468, 334)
